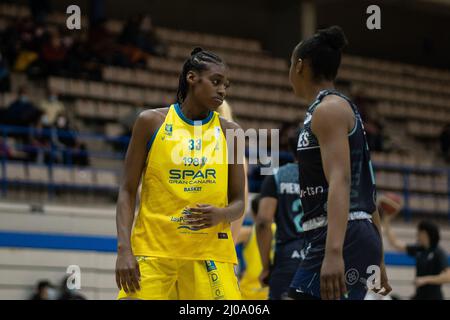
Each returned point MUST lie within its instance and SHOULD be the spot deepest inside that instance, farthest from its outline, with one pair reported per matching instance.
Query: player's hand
(421, 281)
(332, 277)
(204, 216)
(264, 277)
(385, 287)
(127, 272)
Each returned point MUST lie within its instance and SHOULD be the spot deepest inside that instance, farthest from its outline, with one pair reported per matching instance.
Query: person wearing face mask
(432, 270)
(74, 152)
(51, 107)
(44, 291)
(22, 112)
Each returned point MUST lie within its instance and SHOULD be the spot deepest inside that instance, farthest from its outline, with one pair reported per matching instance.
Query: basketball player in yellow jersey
(249, 283)
(192, 189)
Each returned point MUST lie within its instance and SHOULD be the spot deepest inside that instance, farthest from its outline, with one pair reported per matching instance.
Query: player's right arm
(127, 268)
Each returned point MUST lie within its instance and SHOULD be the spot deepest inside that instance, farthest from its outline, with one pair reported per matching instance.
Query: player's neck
(193, 110)
(315, 87)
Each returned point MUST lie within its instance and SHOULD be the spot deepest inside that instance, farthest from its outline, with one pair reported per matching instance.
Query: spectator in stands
(5, 150)
(51, 107)
(53, 53)
(21, 112)
(431, 261)
(40, 9)
(287, 130)
(25, 41)
(5, 82)
(40, 146)
(445, 142)
(44, 291)
(103, 46)
(81, 62)
(9, 152)
(8, 42)
(149, 40)
(372, 123)
(68, 294)
(120, 142)
(74, 152)
(139, 32)
(374, 134)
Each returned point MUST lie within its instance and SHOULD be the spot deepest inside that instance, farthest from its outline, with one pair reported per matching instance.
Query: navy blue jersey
(313, 184)
(284, 186)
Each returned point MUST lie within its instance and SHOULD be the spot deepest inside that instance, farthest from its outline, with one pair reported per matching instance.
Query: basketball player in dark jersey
(280, 202)
(344, 252)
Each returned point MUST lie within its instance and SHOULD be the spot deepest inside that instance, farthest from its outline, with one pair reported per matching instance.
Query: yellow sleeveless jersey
(186, 165)
(250, 286)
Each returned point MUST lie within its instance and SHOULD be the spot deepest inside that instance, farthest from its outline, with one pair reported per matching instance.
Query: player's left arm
(211, 215)
(331, 122)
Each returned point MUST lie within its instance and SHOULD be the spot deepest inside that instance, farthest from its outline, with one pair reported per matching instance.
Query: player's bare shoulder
(152, 117)
(333, 110)
(334, 103)
(148, 121)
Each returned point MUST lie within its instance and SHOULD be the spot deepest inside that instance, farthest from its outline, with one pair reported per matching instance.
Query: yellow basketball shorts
(178, 279)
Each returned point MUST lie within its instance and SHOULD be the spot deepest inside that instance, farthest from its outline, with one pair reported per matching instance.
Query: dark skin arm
(332, 121)
(266, 213)
(211, 215)
(127, 268)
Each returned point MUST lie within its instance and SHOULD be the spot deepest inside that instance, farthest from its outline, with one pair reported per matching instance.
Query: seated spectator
(139, 32)
(51, 107)
(5, 150)
(68, 294)
(74, 152)
(102, 45)
(120, 142)
(40, 9)
(287, 130)
(130, 30)
(372, 125)
(80, 61)
(53, 53)
(374, 134)
(21, 112)
(148, 40)
(9, 152)
(5, 81)
(40, 147)
(44, 291)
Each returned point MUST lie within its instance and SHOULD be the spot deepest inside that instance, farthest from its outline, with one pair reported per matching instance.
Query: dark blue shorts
(287, 259)
(362, 248)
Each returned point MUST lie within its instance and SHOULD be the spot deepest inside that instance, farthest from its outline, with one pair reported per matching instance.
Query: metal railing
(55, 151)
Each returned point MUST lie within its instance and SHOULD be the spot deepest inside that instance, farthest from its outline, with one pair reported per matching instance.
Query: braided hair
(198, 61)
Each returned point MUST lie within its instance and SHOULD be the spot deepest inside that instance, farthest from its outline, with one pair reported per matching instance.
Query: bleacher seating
(411, 99)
